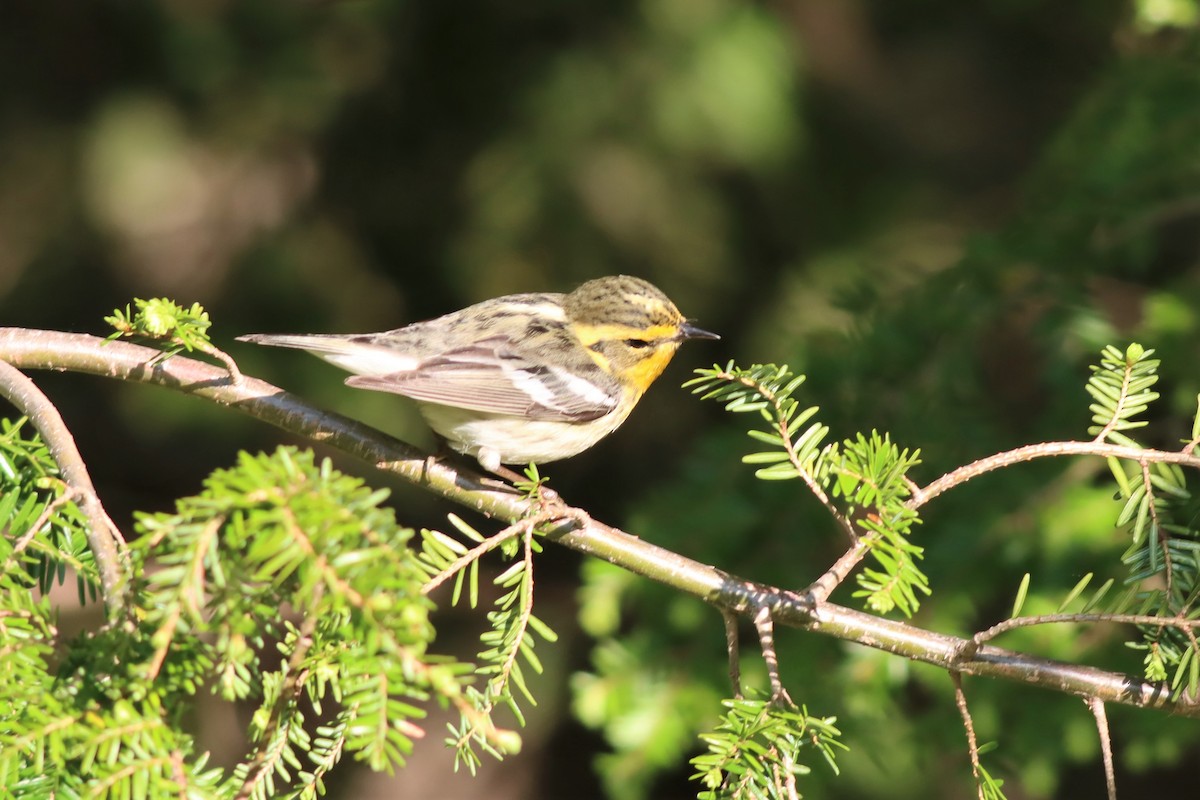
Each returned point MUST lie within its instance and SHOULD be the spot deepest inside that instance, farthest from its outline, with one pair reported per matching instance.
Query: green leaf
(1075, 592)
(1019, 602)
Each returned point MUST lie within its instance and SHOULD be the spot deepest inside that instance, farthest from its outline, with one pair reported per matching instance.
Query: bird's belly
(515, 439)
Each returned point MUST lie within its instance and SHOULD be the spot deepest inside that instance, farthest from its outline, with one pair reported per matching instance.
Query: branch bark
(32, 349)
(1045, 450)
(103, 537)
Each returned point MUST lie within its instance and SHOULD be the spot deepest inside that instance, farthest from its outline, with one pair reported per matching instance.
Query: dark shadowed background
(938, 210)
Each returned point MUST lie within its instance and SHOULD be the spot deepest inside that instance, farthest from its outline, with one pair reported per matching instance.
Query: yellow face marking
(590, 334)
(643, 373)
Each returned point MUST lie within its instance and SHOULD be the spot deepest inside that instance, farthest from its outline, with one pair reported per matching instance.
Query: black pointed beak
(690, 331)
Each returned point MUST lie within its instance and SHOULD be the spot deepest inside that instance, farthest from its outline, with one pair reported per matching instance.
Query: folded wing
(490, 376)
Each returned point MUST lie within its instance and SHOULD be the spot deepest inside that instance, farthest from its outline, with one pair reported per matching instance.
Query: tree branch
(766, 639)
(1110, 778)
(823, 587)
(960, 700)
(103, 536)
(734, 651)
(31, 349)
(1076, 619)
(1047, 449)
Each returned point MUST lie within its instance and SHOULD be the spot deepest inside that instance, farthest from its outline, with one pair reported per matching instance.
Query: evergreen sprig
(164, 321)
(509, 643)
(1120, 390)
(36, 509)
(33, 724)
(756, 749)
(279, 553)
(1159, 513)
(869, 474)
(767, 389)
(872, 476)
(171, 327)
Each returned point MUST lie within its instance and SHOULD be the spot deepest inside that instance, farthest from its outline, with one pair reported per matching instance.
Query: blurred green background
(938, 210)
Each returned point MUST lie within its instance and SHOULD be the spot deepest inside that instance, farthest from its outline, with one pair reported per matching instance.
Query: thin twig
(479, 550)
(327, 571)
(1190, 633)
(19, 545)
(766, 639)
(1115, 417)
(788, 767)
(191, 596)
(824, 586)
(1051, 619)
(732, 648)
(820, 589)
(235, 374)
(105, 541)
(790, 448)
(179, 774)
(110, 781)
(960, 700)
(1096, 706)
(1029, 452)
(289, 692)
(510, 659)
(1163, 537)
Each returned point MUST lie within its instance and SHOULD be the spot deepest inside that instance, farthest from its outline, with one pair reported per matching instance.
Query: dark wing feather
(489, 376)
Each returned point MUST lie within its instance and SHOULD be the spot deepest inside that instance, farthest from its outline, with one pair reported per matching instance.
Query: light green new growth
(163, 321)
(172, 328)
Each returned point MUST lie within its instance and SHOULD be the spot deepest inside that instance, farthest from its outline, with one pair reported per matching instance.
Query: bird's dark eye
(637, 344)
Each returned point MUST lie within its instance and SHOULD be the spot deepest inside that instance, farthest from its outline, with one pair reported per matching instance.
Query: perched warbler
(521, 378)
